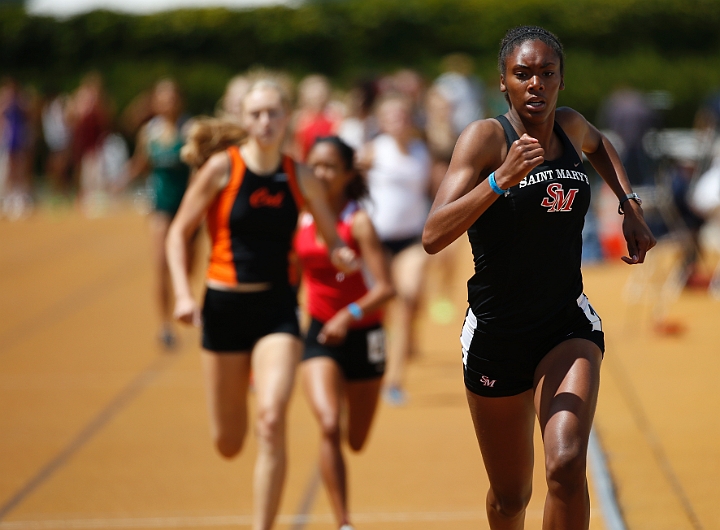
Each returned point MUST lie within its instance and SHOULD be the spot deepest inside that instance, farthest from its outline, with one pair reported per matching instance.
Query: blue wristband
(494, 185)
(355, 311)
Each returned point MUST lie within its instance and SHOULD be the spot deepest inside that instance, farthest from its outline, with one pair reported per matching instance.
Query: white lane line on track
(604, 487)
(246, 520)
(307, 500)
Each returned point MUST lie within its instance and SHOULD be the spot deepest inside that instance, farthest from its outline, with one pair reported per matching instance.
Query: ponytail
(208, 136)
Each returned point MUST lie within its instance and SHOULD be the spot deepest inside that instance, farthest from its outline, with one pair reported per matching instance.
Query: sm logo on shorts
(486, 381)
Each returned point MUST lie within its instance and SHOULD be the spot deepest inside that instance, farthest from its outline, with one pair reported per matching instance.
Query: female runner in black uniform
(532, 344)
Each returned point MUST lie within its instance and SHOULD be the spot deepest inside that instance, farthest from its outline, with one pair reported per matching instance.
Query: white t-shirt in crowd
(399, 182)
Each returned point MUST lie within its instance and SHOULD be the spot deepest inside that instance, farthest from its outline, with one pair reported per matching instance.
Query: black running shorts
(504, 365)
(361, 356)
(233, 322)
(396, 246)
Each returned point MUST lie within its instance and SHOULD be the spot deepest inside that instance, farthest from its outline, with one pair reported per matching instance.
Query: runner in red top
(344, 357)
(327, 290)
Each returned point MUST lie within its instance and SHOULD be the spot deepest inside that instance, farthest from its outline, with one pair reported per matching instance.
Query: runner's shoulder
(569, 118)
(483, 135)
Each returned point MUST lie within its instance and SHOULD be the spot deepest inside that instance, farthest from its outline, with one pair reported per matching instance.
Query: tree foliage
(653, 44)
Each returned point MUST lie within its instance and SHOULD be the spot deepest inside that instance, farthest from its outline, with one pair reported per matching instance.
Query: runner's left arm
(341, 255)
(606, 161)
(374, 259)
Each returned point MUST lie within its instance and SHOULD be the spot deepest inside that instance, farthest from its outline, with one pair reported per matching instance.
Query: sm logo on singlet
(557, 200)
(262, 197)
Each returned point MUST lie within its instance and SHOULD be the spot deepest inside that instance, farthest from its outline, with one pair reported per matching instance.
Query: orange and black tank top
(252, 222)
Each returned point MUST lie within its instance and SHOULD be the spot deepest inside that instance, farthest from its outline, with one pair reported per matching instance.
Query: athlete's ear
(562, 82)
(503, 88)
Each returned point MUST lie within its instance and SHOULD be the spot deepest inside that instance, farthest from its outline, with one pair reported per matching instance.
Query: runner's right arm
(212, 177)
(461, 199)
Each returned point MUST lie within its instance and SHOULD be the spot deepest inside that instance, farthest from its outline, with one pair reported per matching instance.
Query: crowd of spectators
(73, 147)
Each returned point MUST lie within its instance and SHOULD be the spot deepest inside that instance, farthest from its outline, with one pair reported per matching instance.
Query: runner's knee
(330, 426)
(566, 471)
(511, 504)
(270, 426)
(229, 444)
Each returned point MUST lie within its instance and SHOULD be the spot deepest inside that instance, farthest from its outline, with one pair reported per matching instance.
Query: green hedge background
(671, 45)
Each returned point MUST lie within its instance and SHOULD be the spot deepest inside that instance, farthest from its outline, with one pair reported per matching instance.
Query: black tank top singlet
(527, 246)
(252, 222)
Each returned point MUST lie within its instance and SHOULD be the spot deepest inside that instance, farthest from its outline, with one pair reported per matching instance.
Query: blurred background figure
(137, 113)
(58, 138)
(441, 137)
(230, 105)
(157, 153)
(707, 128)
(463, 91)
(398, 166)
(360, 123)
(440, 133)
(15, 144)
(704, 190)
(453, 101)
(625, 116)
(411, 85)
(314, 116)
(89, 114)
(627, 113)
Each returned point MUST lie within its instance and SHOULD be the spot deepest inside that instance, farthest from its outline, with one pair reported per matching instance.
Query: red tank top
(328, 290)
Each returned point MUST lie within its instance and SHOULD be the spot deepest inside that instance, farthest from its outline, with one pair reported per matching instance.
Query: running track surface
(101, 429)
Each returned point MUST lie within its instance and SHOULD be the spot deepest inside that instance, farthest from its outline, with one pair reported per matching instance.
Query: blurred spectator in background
(230, 105)
(627, 113)
(707, 127)
(58, 138)
(453, 101)
(157, 151)
(314, 116)
(680, 178)
(440, 136)
(15, 143)
(90, 121)
(626, 116)
(360, 124)
(137, 113)
(706, 193)
(703, 192)
(463, 91)
(440, 133)
(410, 84)
(398, 165)
(708, 115)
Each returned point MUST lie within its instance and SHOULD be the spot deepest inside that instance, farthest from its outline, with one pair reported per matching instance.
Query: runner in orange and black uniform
(246, 189)
(251, 224)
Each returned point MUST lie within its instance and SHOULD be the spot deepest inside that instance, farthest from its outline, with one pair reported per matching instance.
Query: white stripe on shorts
(594, 319)
(468, 332)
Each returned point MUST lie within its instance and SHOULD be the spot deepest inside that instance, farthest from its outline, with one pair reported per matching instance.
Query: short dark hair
(517, 36)
(356, 188)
